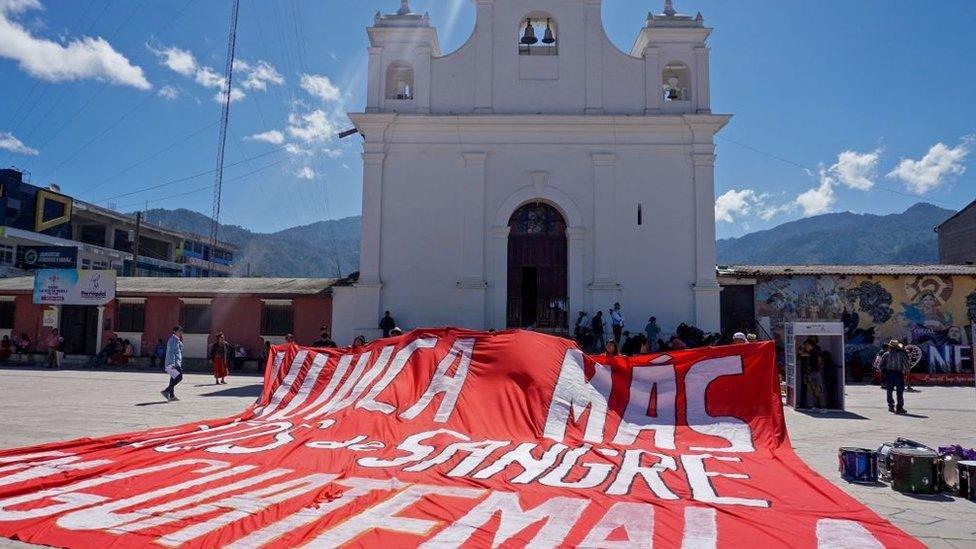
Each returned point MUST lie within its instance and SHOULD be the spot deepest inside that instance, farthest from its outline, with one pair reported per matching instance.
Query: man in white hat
(894, 364)
(739, 337)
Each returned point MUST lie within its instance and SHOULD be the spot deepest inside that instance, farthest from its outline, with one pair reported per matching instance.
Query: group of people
(117, 352)
(9, 346)
(606, 334)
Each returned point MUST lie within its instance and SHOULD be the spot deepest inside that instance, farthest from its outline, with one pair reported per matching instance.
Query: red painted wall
(240, 320)
(162, 313)
(310, 314)
(28, 319)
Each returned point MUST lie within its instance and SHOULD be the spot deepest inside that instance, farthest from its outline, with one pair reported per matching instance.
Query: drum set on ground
(912, 468)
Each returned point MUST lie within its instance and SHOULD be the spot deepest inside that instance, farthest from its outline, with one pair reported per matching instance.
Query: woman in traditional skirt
(220, 356)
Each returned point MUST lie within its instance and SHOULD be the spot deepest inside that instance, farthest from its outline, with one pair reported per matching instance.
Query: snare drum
(858, 464)
(884, 461)
(967, 479)
(914, 470)
(950, 473)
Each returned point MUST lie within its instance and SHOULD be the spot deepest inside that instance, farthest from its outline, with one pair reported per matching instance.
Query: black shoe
(891, 409)
(901, 411)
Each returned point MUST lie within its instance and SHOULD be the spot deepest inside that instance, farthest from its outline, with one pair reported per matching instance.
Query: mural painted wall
(935, 312)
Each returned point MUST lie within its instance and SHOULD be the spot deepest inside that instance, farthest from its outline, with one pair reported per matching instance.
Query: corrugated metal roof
(877, 270)
(196, 286)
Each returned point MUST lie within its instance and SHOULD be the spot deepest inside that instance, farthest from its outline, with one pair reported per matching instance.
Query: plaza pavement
(38, 406)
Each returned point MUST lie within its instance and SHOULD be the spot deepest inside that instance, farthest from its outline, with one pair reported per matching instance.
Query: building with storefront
(931, 306)
(92, 237)
(535, 172)
(248, 311)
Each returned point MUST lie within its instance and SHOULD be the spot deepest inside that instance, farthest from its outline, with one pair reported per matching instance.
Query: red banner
(450, 438)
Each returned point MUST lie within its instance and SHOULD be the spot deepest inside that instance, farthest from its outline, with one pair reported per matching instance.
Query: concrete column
(652, 80)
(472, 283)
(706, 287)
(577, 258)
(369, 246)
(374, 88)
(594, 58)
(604, 202)
(702, 87)
(422, 80)
(498, 285)
(484, 57)
(99, 328)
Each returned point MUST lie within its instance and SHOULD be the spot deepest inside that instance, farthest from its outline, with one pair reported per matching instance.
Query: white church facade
(535, 172)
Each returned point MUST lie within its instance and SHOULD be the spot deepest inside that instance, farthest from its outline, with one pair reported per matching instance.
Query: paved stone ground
(38, 406)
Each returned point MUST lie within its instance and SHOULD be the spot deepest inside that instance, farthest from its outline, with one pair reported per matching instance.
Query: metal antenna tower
(222, 140)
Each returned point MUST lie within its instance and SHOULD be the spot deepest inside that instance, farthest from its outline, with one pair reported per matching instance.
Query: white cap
(739, 336)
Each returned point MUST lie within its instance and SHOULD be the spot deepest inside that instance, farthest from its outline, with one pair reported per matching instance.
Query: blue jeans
(895, 381)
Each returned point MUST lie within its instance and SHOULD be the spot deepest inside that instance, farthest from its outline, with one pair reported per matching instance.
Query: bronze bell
(529, 37)
(549, 38)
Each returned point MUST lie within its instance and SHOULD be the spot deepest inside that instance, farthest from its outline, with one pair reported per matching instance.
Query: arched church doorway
(537, 268)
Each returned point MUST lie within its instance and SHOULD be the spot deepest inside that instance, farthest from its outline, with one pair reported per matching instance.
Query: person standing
(173, 363)
(53, 344)
(387, 323)
(894, 364)
(240, 355)
(580, 329)
(653, 332)
(599, 341)
(158, 354)
(617, 322)
(220, 359)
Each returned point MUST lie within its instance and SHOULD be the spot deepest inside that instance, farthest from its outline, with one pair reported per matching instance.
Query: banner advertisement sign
(46, 257)
(74, 287)
(449, 438)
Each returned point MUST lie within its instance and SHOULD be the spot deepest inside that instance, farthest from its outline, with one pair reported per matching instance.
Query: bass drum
(914, 470)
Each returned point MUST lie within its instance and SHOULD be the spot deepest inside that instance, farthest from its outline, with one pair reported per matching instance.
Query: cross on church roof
(404, 7)
(671, 18)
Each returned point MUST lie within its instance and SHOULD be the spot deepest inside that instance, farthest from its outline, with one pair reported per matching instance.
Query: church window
(676, 80)
(399, 81)
(640, 215)
(537, 35)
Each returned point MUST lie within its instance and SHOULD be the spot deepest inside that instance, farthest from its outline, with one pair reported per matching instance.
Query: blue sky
(866, 105)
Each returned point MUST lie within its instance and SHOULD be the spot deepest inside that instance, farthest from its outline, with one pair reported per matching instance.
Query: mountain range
(322, 249)
(843, 238)
(331, 248)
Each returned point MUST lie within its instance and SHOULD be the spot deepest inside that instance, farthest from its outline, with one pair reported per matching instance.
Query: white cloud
(259, 75)
(79, 59)
(311, 126)
(179, 61)
(294, 149)
(321, 87)
(10, 143)
(168, 92)
(734, 204)
(271, 136)
(933, 169)
(818, 200)
(856, 170)
(184, 63)
(306, 173)
(235, 95)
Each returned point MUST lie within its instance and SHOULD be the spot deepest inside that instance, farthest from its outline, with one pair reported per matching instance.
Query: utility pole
(222, 141)
(135, 245)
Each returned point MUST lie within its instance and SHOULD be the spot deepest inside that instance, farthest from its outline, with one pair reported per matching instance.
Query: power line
(812, 170)
(156, 154)
(189, 177)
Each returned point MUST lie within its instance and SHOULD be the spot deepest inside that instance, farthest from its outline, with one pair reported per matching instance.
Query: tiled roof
(196, 286)
(783, 270)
